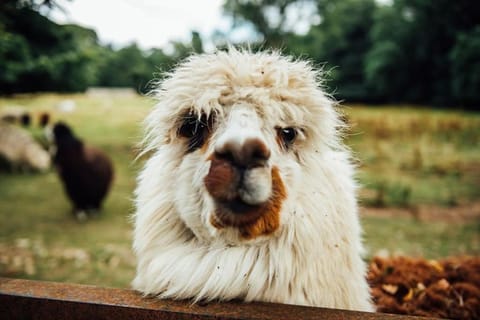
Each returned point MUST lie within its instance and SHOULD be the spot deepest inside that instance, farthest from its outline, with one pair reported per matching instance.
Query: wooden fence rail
(28, 299)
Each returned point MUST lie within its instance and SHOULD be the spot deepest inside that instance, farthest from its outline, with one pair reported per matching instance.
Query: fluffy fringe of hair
(151, 140)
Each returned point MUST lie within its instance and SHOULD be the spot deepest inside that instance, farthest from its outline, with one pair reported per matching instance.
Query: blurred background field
(419, 170)
(406, 71)
(40, 238)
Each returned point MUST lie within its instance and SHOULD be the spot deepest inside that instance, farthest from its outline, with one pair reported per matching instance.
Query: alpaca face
(233, 172)
(243, 163)
(235, 134)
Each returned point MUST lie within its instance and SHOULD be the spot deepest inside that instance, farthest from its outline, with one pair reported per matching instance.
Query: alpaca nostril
(225, 153)
(258, 151)
(252, 153)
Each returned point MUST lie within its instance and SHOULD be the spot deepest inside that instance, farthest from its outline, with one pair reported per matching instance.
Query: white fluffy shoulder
(264, 213)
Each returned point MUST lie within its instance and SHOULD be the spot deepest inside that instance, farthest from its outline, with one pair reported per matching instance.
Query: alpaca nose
(251, 153)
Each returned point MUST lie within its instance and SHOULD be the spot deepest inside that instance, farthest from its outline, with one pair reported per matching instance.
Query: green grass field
(406, 158)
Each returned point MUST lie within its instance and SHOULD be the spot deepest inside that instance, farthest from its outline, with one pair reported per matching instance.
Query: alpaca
(86, 172)
(249, 193)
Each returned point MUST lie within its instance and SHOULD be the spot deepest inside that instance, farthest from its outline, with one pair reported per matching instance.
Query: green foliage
(386, 58)
(37, 54)
(407, 51)
(122, 68)
(414, 51)
(410, 51)
(342, 41)
(197, 44)
(267, 17)
(15, 59)
(132, 67)
(465, 67)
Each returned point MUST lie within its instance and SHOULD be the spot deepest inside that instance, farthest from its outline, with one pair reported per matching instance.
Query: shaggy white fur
(185, 241)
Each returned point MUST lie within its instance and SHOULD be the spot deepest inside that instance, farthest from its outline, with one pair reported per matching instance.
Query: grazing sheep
(249, 193)
(14, 114)
(86, 172)
(20, 151)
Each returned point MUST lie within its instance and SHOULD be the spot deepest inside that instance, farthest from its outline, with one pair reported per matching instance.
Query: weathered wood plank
(28, 299)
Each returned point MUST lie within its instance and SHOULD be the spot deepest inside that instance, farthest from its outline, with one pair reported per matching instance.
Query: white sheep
(20, 150)
(249, 193)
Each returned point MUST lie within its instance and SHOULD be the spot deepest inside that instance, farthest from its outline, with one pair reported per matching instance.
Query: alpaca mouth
(238, 213)
(240, 194)
(250, 200)
(239, 207)
(252, 220)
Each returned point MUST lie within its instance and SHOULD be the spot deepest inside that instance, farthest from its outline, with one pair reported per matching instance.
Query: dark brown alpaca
(86, 172)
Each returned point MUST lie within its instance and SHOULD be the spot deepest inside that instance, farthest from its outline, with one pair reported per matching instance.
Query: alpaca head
(248, 193)
(62, 131)
(236, 137)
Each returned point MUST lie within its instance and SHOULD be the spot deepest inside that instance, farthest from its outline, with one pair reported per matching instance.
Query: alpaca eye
(287, 136)
(195, 129)
(191, 126)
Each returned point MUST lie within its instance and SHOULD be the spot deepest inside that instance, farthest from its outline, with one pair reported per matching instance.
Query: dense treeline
(412, 51)
(37, 54)
(409, 51)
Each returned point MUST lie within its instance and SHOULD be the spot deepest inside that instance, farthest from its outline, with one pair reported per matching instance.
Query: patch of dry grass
(409, 156)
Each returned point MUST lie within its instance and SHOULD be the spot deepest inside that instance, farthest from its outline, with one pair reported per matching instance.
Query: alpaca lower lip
(238, 206)
(237, 212)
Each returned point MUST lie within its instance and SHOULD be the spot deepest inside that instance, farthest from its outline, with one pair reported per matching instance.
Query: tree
(267, 17)
(40, 55)
(123, 68)
(341, 40)
(412, 51)
(197, 44)
(465, 68)
(37, 54)
(414, 43)
(388, 61)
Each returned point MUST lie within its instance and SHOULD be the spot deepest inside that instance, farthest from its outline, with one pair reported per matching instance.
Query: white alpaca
(249, 193)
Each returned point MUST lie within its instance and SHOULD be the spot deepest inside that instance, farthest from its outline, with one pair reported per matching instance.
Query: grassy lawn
(406, 157)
